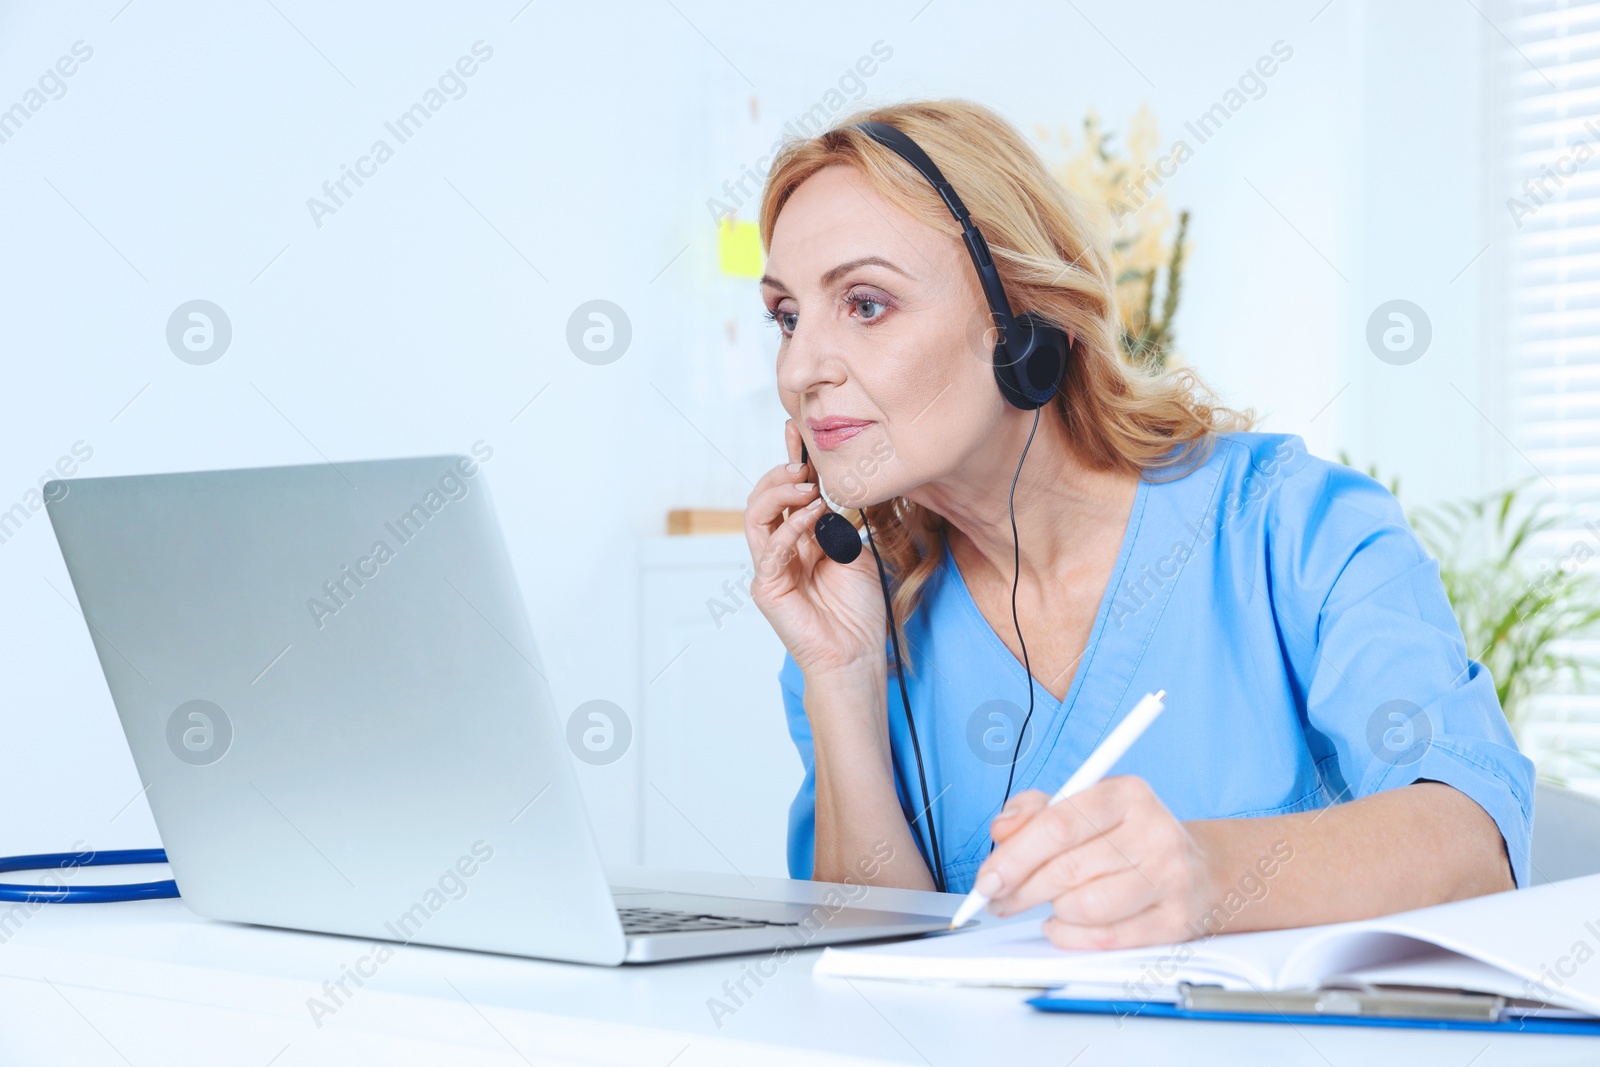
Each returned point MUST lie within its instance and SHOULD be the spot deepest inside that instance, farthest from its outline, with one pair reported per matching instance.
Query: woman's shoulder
(1244, 456)
(1278, 469)
(1319, 522)
(1303, 512)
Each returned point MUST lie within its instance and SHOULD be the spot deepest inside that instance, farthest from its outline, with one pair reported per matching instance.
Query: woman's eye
(784, 320)
(858, 301)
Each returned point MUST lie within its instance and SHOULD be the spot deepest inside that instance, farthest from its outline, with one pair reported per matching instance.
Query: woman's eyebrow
(842, 269)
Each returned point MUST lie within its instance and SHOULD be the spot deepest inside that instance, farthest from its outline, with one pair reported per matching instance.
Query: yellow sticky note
(739, 248)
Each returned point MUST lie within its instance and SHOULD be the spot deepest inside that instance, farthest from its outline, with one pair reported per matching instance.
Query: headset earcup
(1030, 370)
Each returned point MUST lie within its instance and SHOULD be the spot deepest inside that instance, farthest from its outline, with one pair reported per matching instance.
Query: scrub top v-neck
(1305, 642)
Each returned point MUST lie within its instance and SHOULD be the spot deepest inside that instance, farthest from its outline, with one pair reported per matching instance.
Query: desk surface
(151, 983)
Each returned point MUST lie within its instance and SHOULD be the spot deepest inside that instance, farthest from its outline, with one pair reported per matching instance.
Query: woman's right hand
(829, 615)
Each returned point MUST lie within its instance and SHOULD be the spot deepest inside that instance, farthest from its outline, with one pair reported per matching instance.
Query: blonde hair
(1053, 261)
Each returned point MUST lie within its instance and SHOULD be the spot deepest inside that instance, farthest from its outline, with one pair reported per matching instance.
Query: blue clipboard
(1425, 1010)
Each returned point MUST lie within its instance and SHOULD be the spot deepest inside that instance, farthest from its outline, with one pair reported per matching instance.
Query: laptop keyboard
(637, 921)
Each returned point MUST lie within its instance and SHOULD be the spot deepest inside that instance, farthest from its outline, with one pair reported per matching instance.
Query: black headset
(1030, 365)
(1030, 356)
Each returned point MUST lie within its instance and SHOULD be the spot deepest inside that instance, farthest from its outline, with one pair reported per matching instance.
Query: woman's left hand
(1119, 870)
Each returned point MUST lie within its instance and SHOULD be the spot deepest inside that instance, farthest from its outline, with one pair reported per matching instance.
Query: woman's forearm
(861, 833)
(1409, 847)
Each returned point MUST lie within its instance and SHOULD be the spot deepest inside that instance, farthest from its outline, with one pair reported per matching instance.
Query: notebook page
(1015, 953)
(1546, 937)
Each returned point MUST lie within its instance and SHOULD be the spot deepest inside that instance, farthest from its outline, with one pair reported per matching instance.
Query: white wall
(178, 164)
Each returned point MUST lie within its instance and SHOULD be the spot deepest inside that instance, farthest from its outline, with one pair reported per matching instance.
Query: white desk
(150, 984)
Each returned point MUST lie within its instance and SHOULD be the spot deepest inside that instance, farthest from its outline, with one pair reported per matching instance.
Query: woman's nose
(811, 358)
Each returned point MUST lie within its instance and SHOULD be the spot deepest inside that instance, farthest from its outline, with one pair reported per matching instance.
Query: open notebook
(1540, 944)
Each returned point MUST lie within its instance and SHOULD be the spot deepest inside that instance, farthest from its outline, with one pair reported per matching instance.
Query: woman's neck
(1063, 506)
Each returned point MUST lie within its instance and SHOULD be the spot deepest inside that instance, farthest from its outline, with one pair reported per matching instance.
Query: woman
(1329, 750)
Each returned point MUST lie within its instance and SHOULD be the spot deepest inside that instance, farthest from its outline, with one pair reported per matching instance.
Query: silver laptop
(329, 684)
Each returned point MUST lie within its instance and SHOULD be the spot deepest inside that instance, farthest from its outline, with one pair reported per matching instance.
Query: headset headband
(977, 247)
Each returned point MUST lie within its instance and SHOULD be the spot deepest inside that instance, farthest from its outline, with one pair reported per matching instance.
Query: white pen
(1101, 760)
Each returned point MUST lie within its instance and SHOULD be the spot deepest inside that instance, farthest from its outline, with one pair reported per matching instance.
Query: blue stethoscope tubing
(84, 894)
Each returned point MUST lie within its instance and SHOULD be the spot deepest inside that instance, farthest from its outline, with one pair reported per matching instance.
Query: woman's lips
(831, 433)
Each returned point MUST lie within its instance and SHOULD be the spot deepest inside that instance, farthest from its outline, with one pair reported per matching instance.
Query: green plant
(1518, 610)
(1146, 338)
(1517, 619)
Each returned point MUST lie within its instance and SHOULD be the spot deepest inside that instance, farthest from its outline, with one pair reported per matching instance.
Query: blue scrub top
(1306, 645)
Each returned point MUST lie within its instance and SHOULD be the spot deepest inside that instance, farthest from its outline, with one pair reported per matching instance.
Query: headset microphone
(839, 540)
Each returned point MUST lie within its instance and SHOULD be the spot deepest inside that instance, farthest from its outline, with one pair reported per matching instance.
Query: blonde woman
(1329, 750)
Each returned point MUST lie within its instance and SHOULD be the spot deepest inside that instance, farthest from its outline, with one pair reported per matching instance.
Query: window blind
(1551, 110)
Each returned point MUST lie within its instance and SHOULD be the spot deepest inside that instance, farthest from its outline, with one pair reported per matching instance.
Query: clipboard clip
(1365, 1001)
